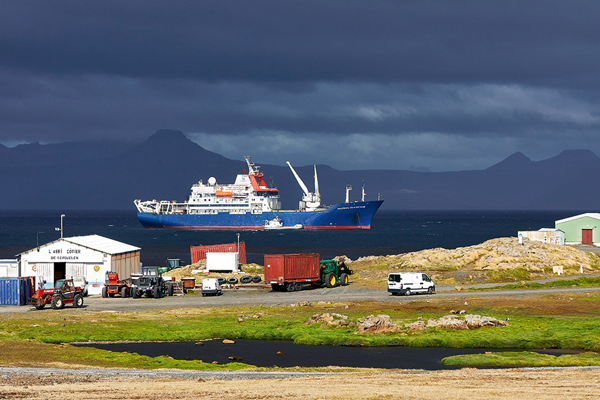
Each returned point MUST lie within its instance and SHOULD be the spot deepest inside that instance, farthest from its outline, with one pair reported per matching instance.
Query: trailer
(291, 272)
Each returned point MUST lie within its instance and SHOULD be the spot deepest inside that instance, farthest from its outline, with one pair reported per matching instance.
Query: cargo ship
(249, 203)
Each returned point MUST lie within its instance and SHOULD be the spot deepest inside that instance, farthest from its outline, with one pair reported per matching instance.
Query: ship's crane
(252, 168)
(310, 200)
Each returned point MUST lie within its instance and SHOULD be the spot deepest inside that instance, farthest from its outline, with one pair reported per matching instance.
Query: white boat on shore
(276, 223)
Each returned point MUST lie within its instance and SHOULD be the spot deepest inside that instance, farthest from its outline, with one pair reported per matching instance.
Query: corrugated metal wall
(15, 291)
(199, 252)
(75, 269)
(44, 270)
(125, 264)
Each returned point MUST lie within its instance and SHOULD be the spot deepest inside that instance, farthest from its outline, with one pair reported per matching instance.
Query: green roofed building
(582, 228)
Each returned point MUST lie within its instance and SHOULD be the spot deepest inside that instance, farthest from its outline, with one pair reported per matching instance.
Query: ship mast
(362, 196)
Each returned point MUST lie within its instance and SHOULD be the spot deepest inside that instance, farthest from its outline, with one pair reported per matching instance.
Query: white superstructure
(249, 193)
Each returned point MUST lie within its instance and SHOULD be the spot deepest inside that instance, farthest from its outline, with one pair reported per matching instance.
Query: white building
(546, 235)
(88, 256)
(9, 268)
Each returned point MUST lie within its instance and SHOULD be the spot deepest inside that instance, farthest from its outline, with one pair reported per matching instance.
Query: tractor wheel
(58, 302)
(156, 292)
(104, 292)
(78, 301)
(171, 290)
(344, 280)
(330, 280)
(134, 293)
(124, 292)
(407, 293)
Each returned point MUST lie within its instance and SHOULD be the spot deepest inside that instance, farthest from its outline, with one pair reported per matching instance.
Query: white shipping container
(222, 262)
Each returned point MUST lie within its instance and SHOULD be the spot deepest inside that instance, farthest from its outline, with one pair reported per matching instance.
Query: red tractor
(114, 286)
(64, 292)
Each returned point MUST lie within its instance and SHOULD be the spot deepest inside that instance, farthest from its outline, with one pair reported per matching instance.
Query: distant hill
(110, 175)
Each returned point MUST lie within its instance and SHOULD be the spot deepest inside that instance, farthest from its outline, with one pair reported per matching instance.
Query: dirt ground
(467, 383)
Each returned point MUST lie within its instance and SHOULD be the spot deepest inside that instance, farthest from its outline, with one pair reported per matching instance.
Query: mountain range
(110, 175)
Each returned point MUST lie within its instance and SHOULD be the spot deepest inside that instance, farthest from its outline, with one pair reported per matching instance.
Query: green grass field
(567, 321)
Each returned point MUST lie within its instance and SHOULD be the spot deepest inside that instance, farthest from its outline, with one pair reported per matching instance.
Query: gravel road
(87, 373)
(244, 297)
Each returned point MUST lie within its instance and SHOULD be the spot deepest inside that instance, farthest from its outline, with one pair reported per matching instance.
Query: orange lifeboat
(221, 193)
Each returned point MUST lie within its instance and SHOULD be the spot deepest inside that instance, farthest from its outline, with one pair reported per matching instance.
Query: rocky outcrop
(329, 320)
(470, 321)
(491, 261)
(382, 323)
(379, 324)
(304, 303)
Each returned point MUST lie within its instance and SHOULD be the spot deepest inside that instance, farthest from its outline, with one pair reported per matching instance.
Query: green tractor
(334, 273)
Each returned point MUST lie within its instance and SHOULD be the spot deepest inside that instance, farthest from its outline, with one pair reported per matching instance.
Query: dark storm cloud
(443, 84)
(374, 41)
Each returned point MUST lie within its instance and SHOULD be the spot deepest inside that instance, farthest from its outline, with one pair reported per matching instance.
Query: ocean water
(392, 232)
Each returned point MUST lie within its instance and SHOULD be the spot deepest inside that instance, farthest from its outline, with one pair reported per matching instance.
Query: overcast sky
(446, 85)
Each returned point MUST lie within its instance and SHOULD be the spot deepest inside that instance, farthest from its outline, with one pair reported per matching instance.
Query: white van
(407, 283)
(211, 286)
(82, 283)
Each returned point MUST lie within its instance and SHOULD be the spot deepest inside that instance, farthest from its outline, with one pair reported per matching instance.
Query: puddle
(265, 353)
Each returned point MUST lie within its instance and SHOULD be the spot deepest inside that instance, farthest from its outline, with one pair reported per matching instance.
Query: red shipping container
(285, 268)
(199, 252)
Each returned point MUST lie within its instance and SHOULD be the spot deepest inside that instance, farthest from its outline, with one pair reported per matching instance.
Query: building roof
(590, 215)
(102, 244)
(95, 242)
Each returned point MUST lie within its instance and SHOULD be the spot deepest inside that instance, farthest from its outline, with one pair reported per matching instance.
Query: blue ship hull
(355, 215)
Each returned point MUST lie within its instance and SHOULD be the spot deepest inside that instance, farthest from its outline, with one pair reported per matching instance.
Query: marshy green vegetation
(524, 359)
(564, 321)
(566, 283)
